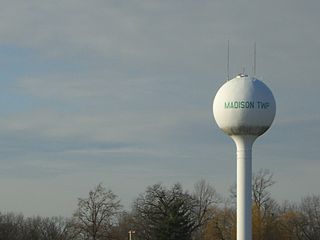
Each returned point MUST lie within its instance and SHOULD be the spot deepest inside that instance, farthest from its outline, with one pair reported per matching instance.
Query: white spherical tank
(244, 106)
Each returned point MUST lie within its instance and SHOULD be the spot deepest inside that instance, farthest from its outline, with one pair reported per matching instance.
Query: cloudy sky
(120, 92)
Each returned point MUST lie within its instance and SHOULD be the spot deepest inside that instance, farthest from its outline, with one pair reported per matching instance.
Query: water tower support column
(244, 192)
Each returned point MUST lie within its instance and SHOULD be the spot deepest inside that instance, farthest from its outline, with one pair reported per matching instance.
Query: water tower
(244, 108)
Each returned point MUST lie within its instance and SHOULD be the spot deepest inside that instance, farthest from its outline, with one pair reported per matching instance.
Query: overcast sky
(120, 92)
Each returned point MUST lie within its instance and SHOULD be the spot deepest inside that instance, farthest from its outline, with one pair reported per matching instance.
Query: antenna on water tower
(228, 61)
(244, 108)
(254, 59)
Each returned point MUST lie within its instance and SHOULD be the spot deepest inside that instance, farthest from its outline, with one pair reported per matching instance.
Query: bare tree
(96, 214)
(206, 199)
(265, 208)
(261, 182)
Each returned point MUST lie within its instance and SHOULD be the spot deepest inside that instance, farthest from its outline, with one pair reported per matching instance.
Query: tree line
(172, 213)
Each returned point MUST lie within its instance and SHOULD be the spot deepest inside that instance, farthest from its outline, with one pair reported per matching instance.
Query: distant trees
(222, 226)
(126, 223)
(309, 218)
(11, 226)
(171, 213)
(270, 220)
(17, 227)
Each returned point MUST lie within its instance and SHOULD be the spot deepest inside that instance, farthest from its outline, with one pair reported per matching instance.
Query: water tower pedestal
(244, 185)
